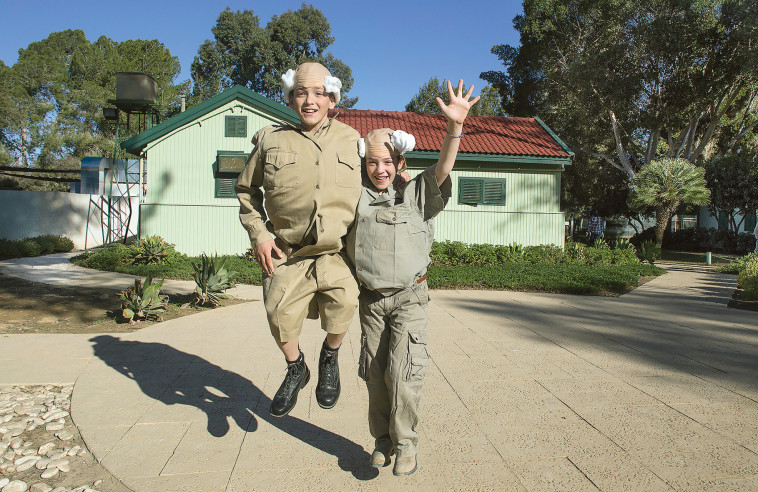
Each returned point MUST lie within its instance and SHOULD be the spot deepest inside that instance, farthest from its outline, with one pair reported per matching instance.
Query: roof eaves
(554, 136)
(494, 158)
(135, 144)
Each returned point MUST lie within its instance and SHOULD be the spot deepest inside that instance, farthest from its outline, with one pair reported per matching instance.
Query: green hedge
(454, 253)
(748, 278)
(701, 239)
(578, 270)
(118, 258)
(561, 278)
(34, 246)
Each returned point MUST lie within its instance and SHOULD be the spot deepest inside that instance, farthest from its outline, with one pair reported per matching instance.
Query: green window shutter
(235, 126)
(225, 187)
(723, 221)
(750, 221)
(494, 192)
(484, 191)
(470, 190)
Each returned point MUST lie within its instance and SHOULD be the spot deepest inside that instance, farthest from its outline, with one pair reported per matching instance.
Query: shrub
(152, 249)
(27, 248)
(9, 249)
(701, 239)
(739, 264)
(111, 258)
(649, 251)
(748, 279)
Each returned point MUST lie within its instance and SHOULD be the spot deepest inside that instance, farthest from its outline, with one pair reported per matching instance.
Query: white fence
(81, 218)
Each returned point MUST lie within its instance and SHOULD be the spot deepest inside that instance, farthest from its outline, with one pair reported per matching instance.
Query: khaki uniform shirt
(311, 184)
(393, 232)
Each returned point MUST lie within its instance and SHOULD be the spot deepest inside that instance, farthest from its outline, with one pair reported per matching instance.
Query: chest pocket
(281, 170)
(403, 220)
(348, 170)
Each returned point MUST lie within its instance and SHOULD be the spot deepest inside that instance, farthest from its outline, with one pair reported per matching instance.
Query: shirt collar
(382, 199)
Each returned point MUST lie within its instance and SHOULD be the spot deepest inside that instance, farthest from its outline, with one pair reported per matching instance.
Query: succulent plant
(152, 249)
(211, 279)
(143, 301)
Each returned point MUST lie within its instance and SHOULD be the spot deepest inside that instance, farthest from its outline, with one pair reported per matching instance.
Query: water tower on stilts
(134, 110)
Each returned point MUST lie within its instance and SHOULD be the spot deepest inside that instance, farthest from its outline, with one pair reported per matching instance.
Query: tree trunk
(662, 216)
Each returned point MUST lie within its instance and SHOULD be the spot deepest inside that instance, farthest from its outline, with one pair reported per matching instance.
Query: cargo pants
(393, 362)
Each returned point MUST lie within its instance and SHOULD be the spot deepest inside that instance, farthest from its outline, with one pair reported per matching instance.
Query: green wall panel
(195, 229)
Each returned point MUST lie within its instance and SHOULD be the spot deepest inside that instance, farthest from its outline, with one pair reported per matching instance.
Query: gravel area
(41, 449)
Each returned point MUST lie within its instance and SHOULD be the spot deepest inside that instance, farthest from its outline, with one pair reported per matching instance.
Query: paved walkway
(654, 390)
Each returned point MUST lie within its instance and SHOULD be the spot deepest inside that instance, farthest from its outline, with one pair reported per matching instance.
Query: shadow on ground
(175, 377)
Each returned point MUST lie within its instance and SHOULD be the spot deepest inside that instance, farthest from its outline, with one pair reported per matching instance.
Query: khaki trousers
(393, 362)
(315, 286)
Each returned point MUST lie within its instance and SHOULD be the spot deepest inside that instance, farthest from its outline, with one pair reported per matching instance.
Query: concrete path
(654, 390)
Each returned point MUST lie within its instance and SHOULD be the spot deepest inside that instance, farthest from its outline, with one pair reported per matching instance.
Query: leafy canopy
(244, 53)
(665, 184)
(626, 82)
(425, 99)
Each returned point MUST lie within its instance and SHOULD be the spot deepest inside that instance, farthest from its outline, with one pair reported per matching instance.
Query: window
(235, 126)
(750, 220)
(481, 191)
(723, 221)
(229, 164)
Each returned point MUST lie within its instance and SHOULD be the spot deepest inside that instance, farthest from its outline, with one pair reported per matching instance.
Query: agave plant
(152, 249)
(600, 243)
(211, 279)
(144, 301)
(622, 243)
(649, 251)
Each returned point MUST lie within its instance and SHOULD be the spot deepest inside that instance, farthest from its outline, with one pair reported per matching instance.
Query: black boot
(328, 388)
(297, 377)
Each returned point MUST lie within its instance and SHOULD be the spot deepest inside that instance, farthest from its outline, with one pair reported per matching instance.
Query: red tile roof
(484, 134)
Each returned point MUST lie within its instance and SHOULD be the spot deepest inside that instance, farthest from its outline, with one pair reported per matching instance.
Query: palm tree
(666, 184)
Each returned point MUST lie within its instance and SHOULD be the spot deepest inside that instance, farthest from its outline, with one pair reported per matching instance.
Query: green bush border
(578, 269)
(34, 246)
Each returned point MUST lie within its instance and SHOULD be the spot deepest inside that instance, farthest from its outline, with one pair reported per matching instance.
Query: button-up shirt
(393, 232)
(311, 184)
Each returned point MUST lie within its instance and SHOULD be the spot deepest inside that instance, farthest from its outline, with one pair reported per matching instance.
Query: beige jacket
(311, 185)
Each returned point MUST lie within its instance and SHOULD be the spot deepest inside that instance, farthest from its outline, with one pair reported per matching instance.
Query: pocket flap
(280, 158)
(416, 338)
(351, 160)
(391, 216)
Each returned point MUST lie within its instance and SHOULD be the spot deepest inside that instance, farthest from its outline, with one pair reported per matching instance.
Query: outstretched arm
(456, 113)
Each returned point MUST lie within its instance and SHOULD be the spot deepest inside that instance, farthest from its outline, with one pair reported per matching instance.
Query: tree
(733, 181)
(244, 53)
(57, 89)
(425, 99)
(627, 81)
(665, 184)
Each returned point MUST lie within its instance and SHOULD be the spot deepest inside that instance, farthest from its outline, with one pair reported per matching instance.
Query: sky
(392, 46)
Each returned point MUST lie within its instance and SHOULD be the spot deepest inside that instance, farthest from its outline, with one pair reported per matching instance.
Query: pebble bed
(38, 440)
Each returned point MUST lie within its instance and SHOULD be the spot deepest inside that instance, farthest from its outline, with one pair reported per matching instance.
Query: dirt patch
(31, 307)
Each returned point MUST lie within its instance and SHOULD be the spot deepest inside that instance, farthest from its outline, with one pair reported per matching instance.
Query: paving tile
(144, 450)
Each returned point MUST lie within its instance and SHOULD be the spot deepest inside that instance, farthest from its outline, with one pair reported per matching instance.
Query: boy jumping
(310, 176)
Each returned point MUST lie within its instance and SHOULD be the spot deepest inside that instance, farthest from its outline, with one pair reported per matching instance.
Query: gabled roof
(138, 142)
(492, 135)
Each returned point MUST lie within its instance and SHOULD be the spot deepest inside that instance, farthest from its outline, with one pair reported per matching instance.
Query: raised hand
(459, 106)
